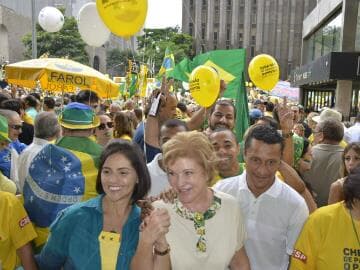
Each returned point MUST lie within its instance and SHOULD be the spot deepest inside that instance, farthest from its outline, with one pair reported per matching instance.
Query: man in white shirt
(46, 129)
(159, 180)
(274, 212)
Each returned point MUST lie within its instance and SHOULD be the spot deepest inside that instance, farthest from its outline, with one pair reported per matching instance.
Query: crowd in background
(87, 183)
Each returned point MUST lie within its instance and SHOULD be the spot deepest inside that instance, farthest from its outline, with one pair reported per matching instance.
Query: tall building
(15, 22)
(330, 71)
(260, 26)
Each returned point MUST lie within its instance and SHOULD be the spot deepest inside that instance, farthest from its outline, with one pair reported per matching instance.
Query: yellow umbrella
(60, 75)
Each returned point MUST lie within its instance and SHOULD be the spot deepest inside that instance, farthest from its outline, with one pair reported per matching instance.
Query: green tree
(152, 45)
(117, 61)
(65, 43)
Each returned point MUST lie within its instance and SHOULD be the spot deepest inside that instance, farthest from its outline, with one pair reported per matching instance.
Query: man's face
(295, 110)
(167, 133)
(226, 148)
(223, 116)
(262, 161)
(15, 126)
(168, 111)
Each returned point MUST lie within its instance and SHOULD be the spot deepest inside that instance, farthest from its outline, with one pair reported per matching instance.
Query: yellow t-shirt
(6, 184)
(16, 229)
(27, 119)
(343, 144)
(327, 241)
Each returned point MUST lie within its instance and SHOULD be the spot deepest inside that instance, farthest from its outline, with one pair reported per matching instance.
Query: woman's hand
(155, 226)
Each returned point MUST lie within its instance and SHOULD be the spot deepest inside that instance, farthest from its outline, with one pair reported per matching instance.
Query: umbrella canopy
(60, 75)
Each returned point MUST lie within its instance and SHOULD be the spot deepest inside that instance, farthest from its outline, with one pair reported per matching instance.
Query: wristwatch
(162, 253)
(287, 135)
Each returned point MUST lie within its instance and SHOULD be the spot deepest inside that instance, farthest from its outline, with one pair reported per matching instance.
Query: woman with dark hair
(330, 237)
(103, 233)
(123, 126)
(351, 160)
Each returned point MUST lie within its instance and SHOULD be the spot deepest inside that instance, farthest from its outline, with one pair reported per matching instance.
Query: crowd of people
(90, 184)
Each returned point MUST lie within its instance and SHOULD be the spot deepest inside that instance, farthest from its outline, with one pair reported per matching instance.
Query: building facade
(15, 22)
(330, 71)
(260, 26)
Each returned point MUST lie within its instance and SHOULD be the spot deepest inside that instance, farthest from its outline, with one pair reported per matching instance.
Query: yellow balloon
(123, 17)
(264, 71)
(204, 85)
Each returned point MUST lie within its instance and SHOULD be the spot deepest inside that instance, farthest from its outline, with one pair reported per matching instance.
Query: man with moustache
(222, 115)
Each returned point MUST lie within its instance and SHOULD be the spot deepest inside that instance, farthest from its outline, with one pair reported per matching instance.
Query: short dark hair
(182, 107)
(173, 123)
(269, 106)
(221, 129)
(352, 187)
(12, 104)
(36, 95)
(4, 96)
(30, 100)
(138, 113)
(87, 96)
(270, 121)
(133, 153)
(264, 133)
(223, 102)
(49, 102)
(332, 129)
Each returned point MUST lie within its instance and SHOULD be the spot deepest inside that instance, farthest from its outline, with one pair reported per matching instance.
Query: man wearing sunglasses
(9, 155)
(104, 131)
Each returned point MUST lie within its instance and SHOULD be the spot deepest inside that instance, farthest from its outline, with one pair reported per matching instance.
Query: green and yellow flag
(230, 64)
(168, 63)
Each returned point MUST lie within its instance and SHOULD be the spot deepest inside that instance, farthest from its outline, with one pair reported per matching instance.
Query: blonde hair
(191, 144)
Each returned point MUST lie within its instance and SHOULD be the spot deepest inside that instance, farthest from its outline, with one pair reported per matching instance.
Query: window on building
(228, 5)
(357, 39)
(203, 48)
(240, 40)
(215, 36)
(228, 31)
(204, 4)
(324, 40)
(203, 30)
(191, 29)
(253, 40)
(252, 51)
(228, 44)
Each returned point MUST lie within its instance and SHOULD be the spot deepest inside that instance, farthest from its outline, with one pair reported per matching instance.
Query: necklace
(353, 224)
(198, 219)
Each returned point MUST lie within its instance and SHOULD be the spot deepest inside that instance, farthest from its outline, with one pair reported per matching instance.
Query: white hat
(327, 114)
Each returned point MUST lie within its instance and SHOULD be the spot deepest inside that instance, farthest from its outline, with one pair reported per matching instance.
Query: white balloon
(51, 19)
(91, 27)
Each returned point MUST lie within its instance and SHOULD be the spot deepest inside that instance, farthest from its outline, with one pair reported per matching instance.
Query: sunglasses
(102, 126)
(16, 127)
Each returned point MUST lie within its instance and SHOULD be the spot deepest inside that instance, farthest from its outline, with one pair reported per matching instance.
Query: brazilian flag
(59, 176)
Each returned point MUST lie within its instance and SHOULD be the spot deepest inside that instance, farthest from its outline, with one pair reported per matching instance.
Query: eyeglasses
(102, 126)
(16, 127)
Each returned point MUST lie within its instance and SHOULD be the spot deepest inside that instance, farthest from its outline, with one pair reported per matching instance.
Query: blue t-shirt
(138, 138)
(73, 241)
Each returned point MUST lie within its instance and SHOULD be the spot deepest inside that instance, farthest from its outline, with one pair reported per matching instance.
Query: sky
(163, 13)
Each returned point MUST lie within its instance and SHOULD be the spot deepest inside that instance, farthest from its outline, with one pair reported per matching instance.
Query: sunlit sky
(163, 13)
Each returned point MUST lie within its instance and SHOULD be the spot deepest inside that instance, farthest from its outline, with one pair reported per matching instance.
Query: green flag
(242, 110)
(229, 63)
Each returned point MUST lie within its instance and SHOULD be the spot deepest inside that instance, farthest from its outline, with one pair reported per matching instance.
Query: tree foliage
(152, 45)
(66, 43)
